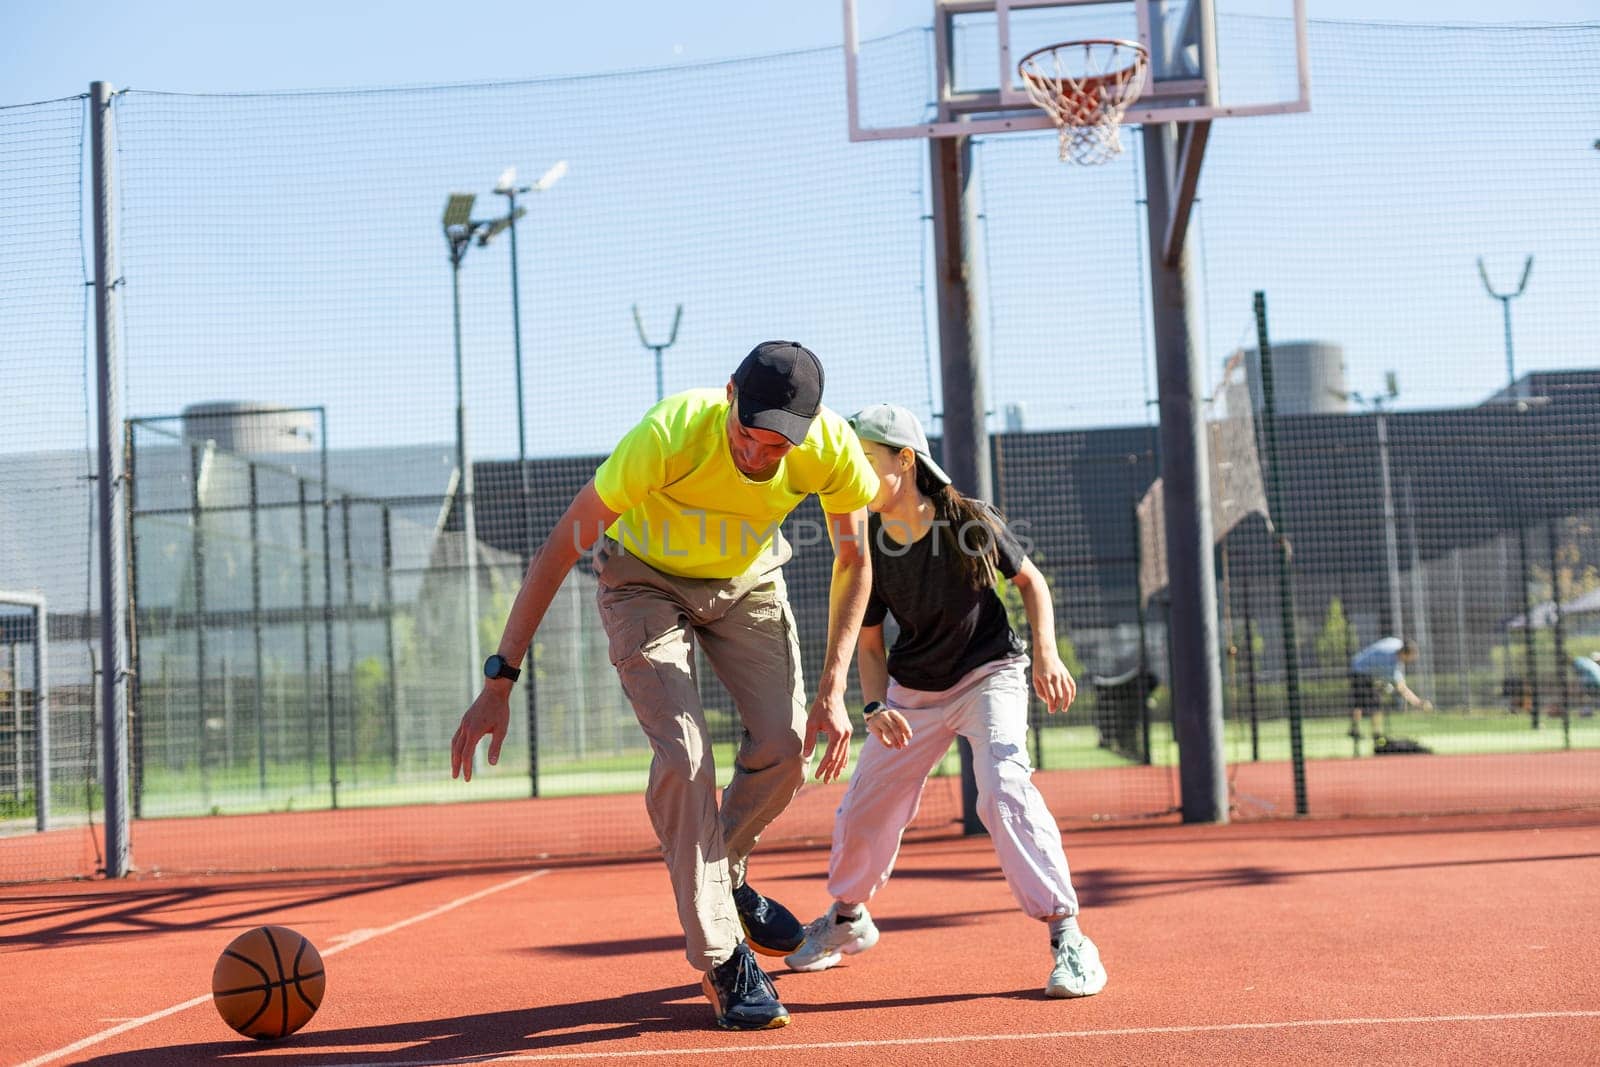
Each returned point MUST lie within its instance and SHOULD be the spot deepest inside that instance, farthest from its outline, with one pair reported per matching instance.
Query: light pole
(1379, 406)
(1522, 532)
(1391, 541)
(1505, 304)
(507, 187)
(638, 324)
(459, 230)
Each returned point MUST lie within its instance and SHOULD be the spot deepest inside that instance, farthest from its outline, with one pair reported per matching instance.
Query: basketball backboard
(915, 71)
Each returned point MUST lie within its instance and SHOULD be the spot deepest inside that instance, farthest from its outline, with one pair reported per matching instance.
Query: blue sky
(285, 248)
(57, 48)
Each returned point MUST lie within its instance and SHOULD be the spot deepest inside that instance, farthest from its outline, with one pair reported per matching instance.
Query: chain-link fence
(307, 544)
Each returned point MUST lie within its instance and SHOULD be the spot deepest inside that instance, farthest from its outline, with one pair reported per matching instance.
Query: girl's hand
(1054, 684)
(890, 727)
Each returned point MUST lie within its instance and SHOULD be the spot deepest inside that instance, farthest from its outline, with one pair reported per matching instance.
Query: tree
(1017, 615)
(1578, 574)
(1336, 638)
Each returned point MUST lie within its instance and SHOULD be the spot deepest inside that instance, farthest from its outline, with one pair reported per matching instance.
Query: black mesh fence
(313, 568)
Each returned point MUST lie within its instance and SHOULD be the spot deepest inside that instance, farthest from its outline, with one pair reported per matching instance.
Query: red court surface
(1456, 940)
(565, 828)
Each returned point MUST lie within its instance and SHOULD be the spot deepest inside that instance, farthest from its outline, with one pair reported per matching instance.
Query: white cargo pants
(989, 707)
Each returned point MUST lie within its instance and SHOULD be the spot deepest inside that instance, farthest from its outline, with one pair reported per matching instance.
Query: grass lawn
(1069, 745)
(1454, 733)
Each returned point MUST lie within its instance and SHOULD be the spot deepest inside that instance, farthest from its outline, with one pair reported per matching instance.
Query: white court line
(345, 941)
(979, 1039)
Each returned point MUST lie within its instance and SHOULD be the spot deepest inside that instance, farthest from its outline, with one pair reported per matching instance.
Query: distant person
(956, 668)
(1588, 671)
(690, 502)
(1518, 695)
(1375, 672)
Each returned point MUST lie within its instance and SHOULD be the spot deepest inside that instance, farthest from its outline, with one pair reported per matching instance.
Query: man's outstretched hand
(828, 716)
(490, 715)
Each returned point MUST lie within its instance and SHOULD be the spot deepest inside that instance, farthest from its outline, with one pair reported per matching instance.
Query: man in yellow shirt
(690, 503)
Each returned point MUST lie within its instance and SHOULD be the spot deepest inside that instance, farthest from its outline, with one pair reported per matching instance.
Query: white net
(1085, 86)
(1237, 487)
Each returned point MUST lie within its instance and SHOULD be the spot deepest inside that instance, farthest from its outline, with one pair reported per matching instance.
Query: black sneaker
(771, 928)
(743, 995)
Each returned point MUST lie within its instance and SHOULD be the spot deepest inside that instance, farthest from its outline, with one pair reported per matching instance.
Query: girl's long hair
(966, 530)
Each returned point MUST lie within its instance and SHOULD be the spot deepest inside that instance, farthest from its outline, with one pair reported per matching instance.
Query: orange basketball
(268, 982)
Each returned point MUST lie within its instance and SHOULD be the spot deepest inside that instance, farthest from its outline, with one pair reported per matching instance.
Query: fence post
(109, 488)
(1559, 632)
(41, 714)
(255, 631)
(1144, 644)
(305, 634)
(197, 565)
(325, 505)
(135, 683)
(351, 701)
(1291, 643)
(388, 646)
(15, 660)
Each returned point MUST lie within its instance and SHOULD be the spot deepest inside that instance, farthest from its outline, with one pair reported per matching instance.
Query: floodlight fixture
(507, 183)
(458, 210)
(499, 226)
(551, 176)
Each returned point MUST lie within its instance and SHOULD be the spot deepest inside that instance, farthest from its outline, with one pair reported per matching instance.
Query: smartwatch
(872, 709)
(497, 667)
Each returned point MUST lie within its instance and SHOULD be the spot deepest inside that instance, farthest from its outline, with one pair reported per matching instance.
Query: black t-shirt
(947, 628)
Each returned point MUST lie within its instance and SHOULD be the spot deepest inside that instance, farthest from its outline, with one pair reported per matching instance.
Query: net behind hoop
(1085, 87)
(1238, 489)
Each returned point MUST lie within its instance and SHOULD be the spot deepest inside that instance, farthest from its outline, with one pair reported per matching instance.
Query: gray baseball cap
(892, 425)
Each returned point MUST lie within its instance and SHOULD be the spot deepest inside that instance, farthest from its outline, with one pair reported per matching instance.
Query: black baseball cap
(780, 388)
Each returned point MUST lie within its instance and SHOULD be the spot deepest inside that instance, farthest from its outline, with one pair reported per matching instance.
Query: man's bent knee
(686, 759)
(779, 749)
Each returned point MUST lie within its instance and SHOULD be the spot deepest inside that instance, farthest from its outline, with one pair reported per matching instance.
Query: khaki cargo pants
(747, 632)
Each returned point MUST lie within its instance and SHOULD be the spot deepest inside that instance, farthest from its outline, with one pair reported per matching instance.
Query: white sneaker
(828, 939)
(1078, 971)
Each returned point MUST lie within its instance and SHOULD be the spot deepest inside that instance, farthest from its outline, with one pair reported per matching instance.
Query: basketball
(268, 982)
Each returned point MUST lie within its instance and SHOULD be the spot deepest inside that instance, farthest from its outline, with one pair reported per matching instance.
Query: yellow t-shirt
(684, 508)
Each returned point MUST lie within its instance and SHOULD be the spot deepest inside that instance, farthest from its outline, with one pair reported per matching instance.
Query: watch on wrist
(497, 667)
(872, 708)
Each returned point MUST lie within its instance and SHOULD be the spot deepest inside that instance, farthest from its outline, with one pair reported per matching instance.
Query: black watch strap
(497, 667)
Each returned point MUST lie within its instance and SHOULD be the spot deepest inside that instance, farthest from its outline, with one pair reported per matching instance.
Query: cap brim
(793, 427)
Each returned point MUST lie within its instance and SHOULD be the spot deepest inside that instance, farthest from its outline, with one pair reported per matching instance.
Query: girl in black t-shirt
(956, 668)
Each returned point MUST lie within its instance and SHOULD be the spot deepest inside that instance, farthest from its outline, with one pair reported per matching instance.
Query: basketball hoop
(1085, 87)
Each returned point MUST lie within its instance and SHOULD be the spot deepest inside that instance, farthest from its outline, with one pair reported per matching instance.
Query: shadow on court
(643, 946)
(1107, 887)
(675, 1009)
(69, 919)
